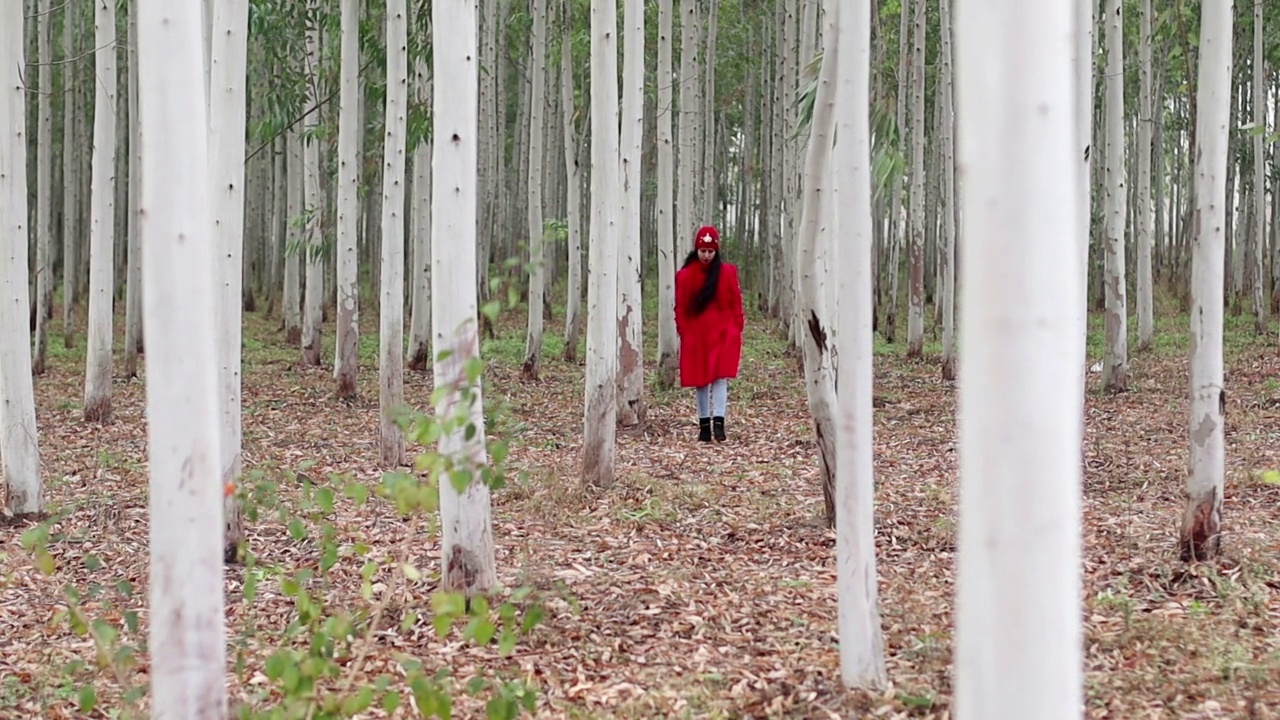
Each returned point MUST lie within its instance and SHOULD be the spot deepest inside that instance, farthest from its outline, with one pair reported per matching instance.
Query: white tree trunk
(1083, 52)
(573, 194)
(186, 641)
(133, 276)
(533, 186)
(599, 446)
(948, 257)
(19, 447)
(313, 210)
(812, 275)
(668, 340)
(1019, 643)
(391, 309)
(295, 239)
(466, 517)
(1261, 298)
(1115, 368)
(44, 185)
(1144, 215)
(420, 219)
(349, 130)
(1202, 520)
(858, 617)
(97, 381)
(226, 165)
(631, 406)
(71, 180)
(916, 200)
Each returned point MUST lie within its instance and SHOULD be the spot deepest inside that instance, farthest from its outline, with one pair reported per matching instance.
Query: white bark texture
(1144, 220)
(858, 613)
(186, 640)
(812, 275)
(349, 131)
(466, 517)
(71, 180)
(44, 184)
(599, 447)
(133, 277)
(1019, 642)
(313, 209)
(631, 406)
(916, 199)
(226, 164)
(948, 255)
(1115, 366)
(97, 381)
(533, 186)
(1202, 520)
(1083, 58)
(19, 446)
(668, 339)
(573, 194)
(420, 221)
(1261, 298)
(295, 239)
(391, 309)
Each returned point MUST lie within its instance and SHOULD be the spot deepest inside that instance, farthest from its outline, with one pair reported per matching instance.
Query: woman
(709, 321)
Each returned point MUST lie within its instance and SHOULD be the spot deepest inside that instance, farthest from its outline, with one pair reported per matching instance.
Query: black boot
(704, 429)
(718, 424)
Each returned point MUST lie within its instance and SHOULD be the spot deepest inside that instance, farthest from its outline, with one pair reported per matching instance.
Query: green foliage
(317, 667)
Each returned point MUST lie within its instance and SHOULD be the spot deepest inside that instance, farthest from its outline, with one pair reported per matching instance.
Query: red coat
(710, 343)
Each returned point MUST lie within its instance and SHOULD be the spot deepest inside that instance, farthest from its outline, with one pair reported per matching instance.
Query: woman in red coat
(709, 320)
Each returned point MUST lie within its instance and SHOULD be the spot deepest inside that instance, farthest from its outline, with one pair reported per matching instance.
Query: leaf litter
(702, 583)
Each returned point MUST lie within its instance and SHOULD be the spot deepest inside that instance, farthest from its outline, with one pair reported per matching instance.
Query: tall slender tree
(391, 309)
(1115, 364)
(19, 444)
(97, 382)
(44, 185)
(465, 516)
(1202, 520)
(858, 612)
(1019, 654)
(631, 406)
(533, 187)
(349, 130)
(188, 656)
(668, 340)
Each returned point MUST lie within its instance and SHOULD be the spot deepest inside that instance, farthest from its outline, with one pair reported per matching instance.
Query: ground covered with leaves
(700, 585)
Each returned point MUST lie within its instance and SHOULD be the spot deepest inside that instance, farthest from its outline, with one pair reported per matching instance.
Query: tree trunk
(313, 212)
(1202, 520)
(97, 385)
(668, 340)
(44, 187)
(1019, 654)
(391, 308)
(858, 612)
(631, 406)
(350, 128)
(573, 171)
(533, 188)
(1261, 304)
(1115, 368)
(915, 308)
(420, 322)
(948, 124)
(186, 637)
(600, 417)
(19, 445)
(1143, 214)
(465, 515)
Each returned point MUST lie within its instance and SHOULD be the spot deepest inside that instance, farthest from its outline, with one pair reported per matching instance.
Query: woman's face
(706, 255)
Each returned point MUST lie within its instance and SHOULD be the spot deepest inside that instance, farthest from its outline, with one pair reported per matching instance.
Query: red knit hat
(707, 237)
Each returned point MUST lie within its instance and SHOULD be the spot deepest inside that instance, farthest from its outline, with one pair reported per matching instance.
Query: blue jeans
(713, 398)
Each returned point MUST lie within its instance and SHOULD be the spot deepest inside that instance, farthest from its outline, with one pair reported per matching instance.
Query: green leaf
(92, 562)
(359, 702)
(390, 702)
(276, 664)
(324, 496)
(87, 699)
(359, 492)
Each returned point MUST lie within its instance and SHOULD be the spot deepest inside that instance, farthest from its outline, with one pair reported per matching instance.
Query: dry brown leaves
(702, 583)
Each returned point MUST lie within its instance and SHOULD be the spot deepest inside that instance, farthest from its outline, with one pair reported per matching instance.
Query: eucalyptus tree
(19, 444)
(391, 308)
(812, 277)
(631, 405)
(44, 184)
(97, 382)
(573, 194)
(916, 199)
(1144, 214)
(71, 230)
(186, 636)
(947, 124)
(1201, 531)
(668, 339)
(533, 188)
(133, 276)
(858, 613)
(1019, 654)
(349, 129)
(312, 246)
(1261, 304)
(466, 515)
(599, 446)
(419, 353)
(1115, 365)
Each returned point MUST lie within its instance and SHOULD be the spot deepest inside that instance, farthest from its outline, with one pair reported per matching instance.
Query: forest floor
(702, 584)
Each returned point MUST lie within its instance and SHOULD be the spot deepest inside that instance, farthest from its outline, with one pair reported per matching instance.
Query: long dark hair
(707, 293)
